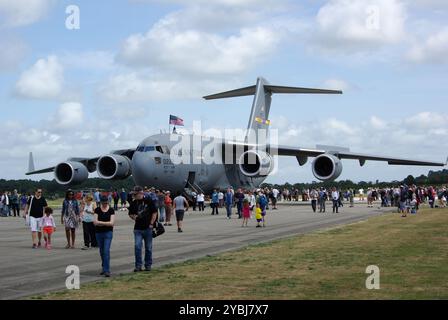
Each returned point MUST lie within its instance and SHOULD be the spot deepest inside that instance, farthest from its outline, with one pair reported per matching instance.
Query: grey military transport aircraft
(160, 160)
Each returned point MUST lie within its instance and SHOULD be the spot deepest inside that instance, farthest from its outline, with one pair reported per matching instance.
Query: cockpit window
(161, 149)
(166, 149)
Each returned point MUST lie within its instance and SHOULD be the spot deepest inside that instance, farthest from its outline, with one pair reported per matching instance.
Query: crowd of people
(95, 211)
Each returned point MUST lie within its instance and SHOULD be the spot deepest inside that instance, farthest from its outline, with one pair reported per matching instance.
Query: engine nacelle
(256, 163)
(114, 166)
(327, 167)
(71, 172)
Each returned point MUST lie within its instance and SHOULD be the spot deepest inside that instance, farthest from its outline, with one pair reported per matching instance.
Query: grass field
(412, 254)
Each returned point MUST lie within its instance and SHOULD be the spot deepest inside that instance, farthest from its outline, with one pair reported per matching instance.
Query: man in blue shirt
(228, 200)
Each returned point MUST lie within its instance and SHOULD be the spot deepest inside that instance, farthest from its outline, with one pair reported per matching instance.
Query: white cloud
(337, 84)
(427, 120)
(44, 80)
(196, 52)
(16, 13)
(138, 87)
(69, 115)
(432, 50)
(353, 26)
(339, 127)
(189, 53)
(377, 123)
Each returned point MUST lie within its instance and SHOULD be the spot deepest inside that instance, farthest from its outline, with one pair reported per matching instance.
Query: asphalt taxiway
(27, 272)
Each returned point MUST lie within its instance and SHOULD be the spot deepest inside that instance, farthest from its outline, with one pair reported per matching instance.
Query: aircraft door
(191, 179)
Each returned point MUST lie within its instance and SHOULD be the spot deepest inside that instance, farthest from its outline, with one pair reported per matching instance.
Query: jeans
(139, 237)
(201, 205)
(5, 210)
(162, 214)
(104, 240)
(214, 207)
(88, 229)
(335, 206)
(229, 209)
(313, 205)
(15, 209)
(321, 205)
(239, 206)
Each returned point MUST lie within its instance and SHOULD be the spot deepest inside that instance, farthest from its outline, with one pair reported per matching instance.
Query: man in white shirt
(335, 198)
(200, 200)
(221, 199)
(361, 194)
(314, 195)
(180, 206)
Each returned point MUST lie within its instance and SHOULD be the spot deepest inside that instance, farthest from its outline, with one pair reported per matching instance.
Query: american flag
(176, 120)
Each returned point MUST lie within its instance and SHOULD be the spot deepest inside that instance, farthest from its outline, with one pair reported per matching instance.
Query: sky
(69, 89)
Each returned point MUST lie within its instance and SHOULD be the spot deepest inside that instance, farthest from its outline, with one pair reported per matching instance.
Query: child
(258, 215)
(246, 212)
(48, 226)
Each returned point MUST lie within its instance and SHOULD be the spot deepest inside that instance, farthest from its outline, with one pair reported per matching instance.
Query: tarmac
(28, 272)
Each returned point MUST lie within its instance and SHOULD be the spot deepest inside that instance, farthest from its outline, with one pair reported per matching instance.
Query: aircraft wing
(90, 163)
(302, 154)
(51, 169)
(344, 153)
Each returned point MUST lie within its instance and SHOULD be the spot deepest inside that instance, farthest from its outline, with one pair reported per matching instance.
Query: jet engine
(70, 172)
(114, 166)
(256, 163)
(327, 167)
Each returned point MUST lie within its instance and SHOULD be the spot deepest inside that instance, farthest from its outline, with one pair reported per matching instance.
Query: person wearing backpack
(322, 198)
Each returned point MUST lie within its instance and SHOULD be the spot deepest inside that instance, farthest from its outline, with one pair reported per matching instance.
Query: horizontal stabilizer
(248, 91)
(280, 89)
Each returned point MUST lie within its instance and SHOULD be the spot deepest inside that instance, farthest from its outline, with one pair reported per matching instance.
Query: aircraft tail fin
(31, 163)
(262, 91)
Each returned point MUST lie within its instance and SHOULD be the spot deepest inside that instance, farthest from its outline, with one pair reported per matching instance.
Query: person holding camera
(144, 212)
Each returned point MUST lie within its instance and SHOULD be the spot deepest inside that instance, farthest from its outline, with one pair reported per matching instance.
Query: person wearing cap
(104, 219)
(144, 212)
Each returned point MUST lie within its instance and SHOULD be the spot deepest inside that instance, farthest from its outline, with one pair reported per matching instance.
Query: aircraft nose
(142, 168)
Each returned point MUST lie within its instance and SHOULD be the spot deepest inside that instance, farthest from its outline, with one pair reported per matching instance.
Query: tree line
(435, 178)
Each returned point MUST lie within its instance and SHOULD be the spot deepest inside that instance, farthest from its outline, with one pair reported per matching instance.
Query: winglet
(446, 162)
(31, 163)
